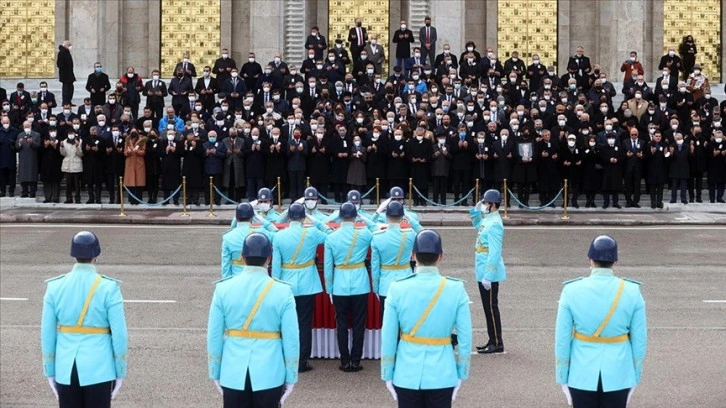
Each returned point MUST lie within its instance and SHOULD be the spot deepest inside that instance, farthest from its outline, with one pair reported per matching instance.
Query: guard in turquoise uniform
(391, 252)
(83, 331)
(365, 217)
(293, 261)
(410, 217)
(232, 240)
(601, 333)
(348, 284)
(489, 265)
(264, 205)
(252, 336)
(421, 369)
(311, 199)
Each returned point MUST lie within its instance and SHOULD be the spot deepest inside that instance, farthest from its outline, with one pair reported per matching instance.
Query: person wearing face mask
(536, 72)
(716, 152)
(679, 167)
(72, 166)
(214, 157)
(688, 50)
(357, 38)
(316, 42)
(234, 166)
(440, 167)
(135, 166)
(591, 168)
(489, 265)
(179, 88)
(403, 38)
(152, 163)
(97, 85)
(656, 169)
(672, 61)
(524, 174)
(514, 64)
(46, 97)
(222, 67)
(235, 88)
(697, 83)
(94, 163)
(611, 158)
(207, 87)
(356, 177)
(420, 153)
(155, 92)
(547, 152)
(133, 86)
(50, 166)
(571, 168)
(340, 150)
(170, 151)
(631, 65)
(27, 145)
(296, 164)
(264, 205)
(8, 157)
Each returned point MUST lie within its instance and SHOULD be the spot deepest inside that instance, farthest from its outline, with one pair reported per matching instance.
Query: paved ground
(680, 267)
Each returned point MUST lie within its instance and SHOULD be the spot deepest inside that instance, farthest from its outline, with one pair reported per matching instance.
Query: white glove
(630, 394)
(219, 387)
(566, 390)
(384, 204)
(300, 200)
(456, 390)
(253, 203)
(487, 284)
(288, 391)
(331, 299)
(53, 386)
(389, 385)
(478, 206)
(117, 388)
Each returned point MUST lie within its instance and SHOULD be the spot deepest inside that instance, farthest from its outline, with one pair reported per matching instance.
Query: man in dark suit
(316, 42)
(633, 168)
(206, 88)
(187, 67)
(20, 100)
(65, 70)
(580, 63)
(357, 37)
(155, 92)
(446, 53)
(223, 67)
(416, 62)
(47, 97)
(427, 37)
(667, 84)
(404, 38)
(235, 90)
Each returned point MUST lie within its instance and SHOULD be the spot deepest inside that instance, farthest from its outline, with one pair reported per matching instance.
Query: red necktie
(360, 37)
(428, 35)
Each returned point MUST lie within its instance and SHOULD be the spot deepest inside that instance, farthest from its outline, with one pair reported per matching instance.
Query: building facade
(151, 34)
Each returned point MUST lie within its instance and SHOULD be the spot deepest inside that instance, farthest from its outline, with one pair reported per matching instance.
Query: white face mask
(398, 138)
(264, 207)
(592, 144)
(571, 143)
(76, 127)
(611, 142)
(311, 204)
(504, 138)
(486, 209)
(170, 137)
(70, 137)
(679, 142)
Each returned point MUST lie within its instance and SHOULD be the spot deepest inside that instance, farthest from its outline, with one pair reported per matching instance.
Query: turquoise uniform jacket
(98, 357)
(410, 215)
(232, 243)
(489, 264)
(419, 366)
(390, 256)
(271, 216)
(271, 362)
(290, 252)
(345, 271)
(363, 217)
(584, 304)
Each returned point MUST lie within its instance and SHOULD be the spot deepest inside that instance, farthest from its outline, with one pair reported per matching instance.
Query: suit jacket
(191, 71)
(377, 58)
(65, 65)
(432, 37)
(149, 91)
(353, 38)
(404, 39)
(580, 64)
(208, 98)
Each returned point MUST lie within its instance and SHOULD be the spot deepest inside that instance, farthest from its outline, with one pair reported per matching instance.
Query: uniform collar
(255, 269)
(245, 224)
(427, 269)
(601, 272)
(492, 214)
(84, 267)
(394, 226)
(347, 225)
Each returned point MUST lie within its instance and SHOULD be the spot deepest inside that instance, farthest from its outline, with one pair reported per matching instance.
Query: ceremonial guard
(293, 261)
(347, 283)
(83, 331)
(422, 369)
(391, 252)
(601, 333)
(355, 198)
(489, 265)
(232, 241)
(396, 194)
(264, 205)
(252, 336)
(311, 200)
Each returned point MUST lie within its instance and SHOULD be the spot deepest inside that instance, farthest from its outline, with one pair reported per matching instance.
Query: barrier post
(211, 197)
(121, 196)
(307, 182)
(506, 198)
(184, 197)
(279, 195)
(378, 191)
(476, 191)
(410, 193)
(565, 216)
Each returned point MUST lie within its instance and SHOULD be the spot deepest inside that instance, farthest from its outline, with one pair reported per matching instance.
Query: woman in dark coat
(397, 170)
(50, 166)
(716, 153)
(319, 161)
(94, 161)
(524, 174)
(339, 147)
(591, 171)
(688, 52)
(420, 152)
(611, 157)
(357, 168)
(548, 172)
(192, 167)
(169, 151)
(656, 169)
(153, 166)
(376, 160)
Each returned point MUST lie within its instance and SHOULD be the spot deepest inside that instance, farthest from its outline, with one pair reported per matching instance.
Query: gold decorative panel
(702, 20)
(27, 38)
(529, 27)
(189, 25)
(373, 13)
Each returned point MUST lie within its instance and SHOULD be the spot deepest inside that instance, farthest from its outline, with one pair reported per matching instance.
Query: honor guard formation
(276, 269)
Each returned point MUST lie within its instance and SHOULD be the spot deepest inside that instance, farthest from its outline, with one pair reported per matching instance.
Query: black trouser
(152, 187)
(695, 183)
(91, 396)
(297, 184)
(305, 306)
(382, 299)
(112, 187)
(599, 399)
(217, 180)
(138, 192)
(461, 183)
(167, 194)
(715, 191)
(656, 194)
(73, 186)
(269, 398)
(338, 192)
(51, 191)
(606, 198)
(8, 178)
(193, 195)
(632, 187)
(523, 189)
(67, 93)
(354, 307)
(574, 190)
(437, 398)
(28, 187)
(679, 184)
(440, 188)
(490, 301)
(254, 184)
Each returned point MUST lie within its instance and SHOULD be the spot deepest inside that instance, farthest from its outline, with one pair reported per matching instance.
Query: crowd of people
(442, 120)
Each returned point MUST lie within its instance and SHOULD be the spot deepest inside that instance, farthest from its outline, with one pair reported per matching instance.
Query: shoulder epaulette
(57, 277)
(228, 231)
(572, 280)
(413, 275)
(454, 279)
(110, 278)
(222, 280)
(633, 281)
(282, 281)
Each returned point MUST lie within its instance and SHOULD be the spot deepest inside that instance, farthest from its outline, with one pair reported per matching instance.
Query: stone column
(723, 40)
(579, 25)
(154, 40)
(627, 31)
(93, 26)
(266, 22)
(447, 17)
(491, 36)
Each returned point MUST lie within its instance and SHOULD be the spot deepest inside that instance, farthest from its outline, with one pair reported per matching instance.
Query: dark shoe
(653, 205)
(46, 201)
(57, 200)
(673, 201)
(90, 201)
(344, 367)
(32, 195)
(684, 202)
(176, 202)
(2, 194)
(98, 201)
(479, 348)
(718, 201)
(355, 367)
(68, 202)
(111, 201)
(698, 200)
(304, 367)
(11, 194)
(618, 206)
(629, 205)
(636, 205)
(575, 205)
(491, 349)
(605, 206)
(24, 195)
(660, 205)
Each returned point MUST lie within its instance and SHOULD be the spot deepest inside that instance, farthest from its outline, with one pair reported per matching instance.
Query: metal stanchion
(121, 196)
(565, 216)
(378, 191)
(279, 196)
(184, 197)
(410, 193)
(506, 197)
(476, 191)
(307, 182)
(211, 197)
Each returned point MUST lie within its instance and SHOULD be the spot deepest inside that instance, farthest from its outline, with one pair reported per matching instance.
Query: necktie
(155, 84)
(312, 92)
(234, 83)
(185, 66)
(634, 148)
(428, 35)
(360, 37)
(115, 140)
